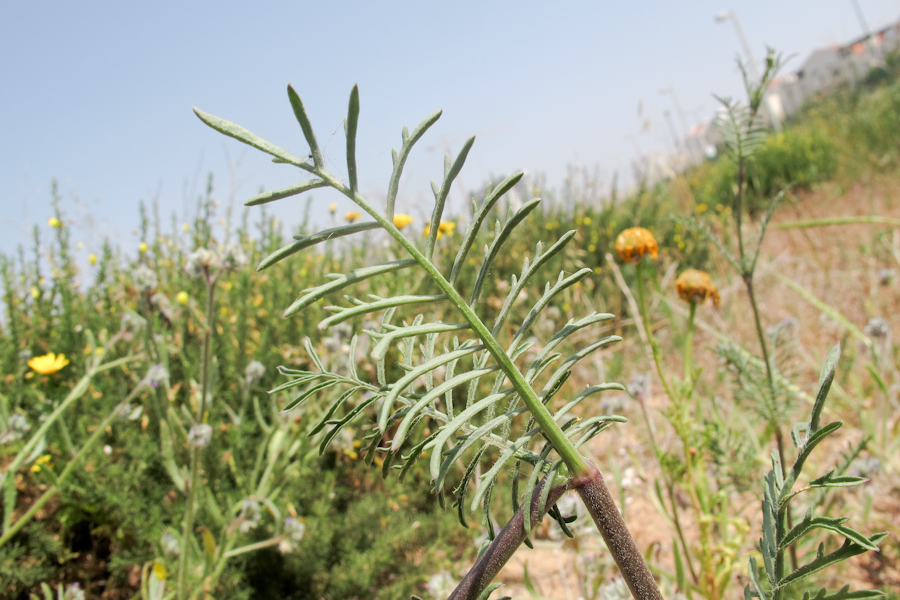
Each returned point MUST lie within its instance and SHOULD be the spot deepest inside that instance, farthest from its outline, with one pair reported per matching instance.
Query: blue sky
(98, 95)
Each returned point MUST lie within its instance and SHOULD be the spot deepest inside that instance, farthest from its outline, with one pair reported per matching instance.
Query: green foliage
(778, 533)
(497, 389)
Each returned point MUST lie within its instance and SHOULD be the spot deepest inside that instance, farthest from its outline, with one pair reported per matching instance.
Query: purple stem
(505, 545)
(603, 509)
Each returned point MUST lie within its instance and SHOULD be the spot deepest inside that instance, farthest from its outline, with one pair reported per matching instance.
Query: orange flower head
(352, 216)
(695, 286)
(632, 244)
(48, 364)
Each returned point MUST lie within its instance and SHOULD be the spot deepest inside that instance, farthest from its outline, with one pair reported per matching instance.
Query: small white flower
(161, 301)
(74, 592)
(169, 545)
(16, 426)
(250, 515)
(144, 278)
(233, 257)
(200, 435)
(131, 323)
(254, 372)
(615, 589)
(155, 376)
(200, 261)
(295, 529)
(107, 449)
(440, 585)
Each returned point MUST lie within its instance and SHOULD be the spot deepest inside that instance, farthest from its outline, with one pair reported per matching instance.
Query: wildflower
(294, 529)
(161, 301)
(200, 261)
(107, 449)
(332, 208)
(254, 372)
(352, 216)
(43, 460)
(632, 244)
(159, 571)
(156, 375)
(250, 515)
(145, 278)
(132, 323)
(182, 298)
(877, 328)
(401, 220)
(616, 589)
(200, 435)
(695, 286)
(92, 258)
(74, 592)
(35, 292)
(169, 545)
(185, 227)
(48, 363)
(234, 257)
(440, 585)
(54, 222)
(443, 227)
(16, 427)
(143, 247)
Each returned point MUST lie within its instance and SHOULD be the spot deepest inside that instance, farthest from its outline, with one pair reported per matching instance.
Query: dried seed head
(695, 286)
(632, 244)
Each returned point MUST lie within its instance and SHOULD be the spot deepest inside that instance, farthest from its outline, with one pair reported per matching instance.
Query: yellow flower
(182, 298)
(632, 244)
(332, 208)
(401, 220)
(587, 220)
(53, 222)
(143, 247)
(92, 258)
(695, 286)
(48, 364)
(43, 460)
(159, 571)
(79, 245)
(35, 293)
(702, 207)
(185, 227)
(443, 227)
(352, 216)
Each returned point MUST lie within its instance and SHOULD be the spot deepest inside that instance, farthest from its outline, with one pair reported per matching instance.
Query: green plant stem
(251, 547)
(747, 276)
(187, 531)
(76, 459)
(689, 342)
(670, 490)
(868, 220)
(654, 345)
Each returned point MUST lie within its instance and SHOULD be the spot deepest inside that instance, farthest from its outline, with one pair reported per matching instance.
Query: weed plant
(154, 463)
